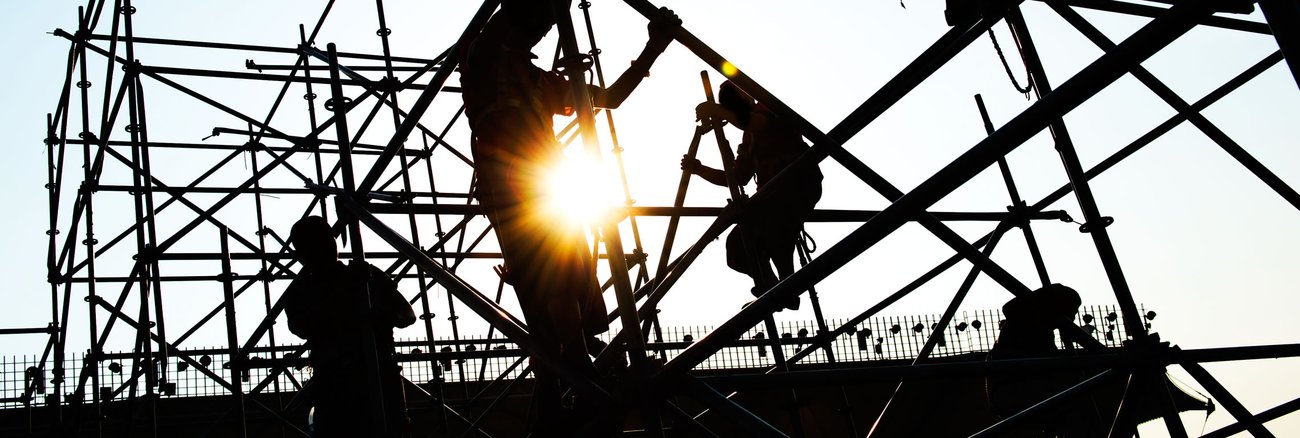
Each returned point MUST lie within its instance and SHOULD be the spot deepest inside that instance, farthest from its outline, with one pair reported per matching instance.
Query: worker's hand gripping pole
(680, 200)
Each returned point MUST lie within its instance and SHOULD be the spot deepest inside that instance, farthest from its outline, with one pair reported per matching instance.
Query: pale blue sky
(1202, 242)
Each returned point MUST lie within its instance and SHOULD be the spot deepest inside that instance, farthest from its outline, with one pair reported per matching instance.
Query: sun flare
(579, 189)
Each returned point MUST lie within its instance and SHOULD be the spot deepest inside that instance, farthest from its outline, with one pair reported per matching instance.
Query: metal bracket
(1103, 223)
(331, 102)
(576, 64)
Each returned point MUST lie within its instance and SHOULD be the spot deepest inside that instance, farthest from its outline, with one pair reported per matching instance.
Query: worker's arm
(661, 29)
(404, 314)
(744, 164)
(716, 113)
(694, 167)
(389, 306)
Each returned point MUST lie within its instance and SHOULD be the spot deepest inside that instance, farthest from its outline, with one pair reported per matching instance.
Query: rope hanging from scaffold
(1029, 80)
(809, 245)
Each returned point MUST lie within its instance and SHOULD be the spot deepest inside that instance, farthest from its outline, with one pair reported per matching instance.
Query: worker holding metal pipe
(770, 229)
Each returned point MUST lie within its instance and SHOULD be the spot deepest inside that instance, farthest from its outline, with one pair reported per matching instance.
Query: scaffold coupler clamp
(252, 146)
(392, 198)
(264, 276)
(148, 254)
(389, 84)
(1020, 214)
(320, 189)
(132, 68)
(638, 256)
(302, 144)
(80, 36)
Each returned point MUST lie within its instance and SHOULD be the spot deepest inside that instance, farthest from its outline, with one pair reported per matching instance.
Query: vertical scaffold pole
(608, 228)
(339, 103)
(91, 366)
(232, 332)
(1018, 205)
(637, 250)
(1094, 223)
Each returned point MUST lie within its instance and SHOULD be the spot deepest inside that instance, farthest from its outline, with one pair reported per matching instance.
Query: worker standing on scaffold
(510, 104)
(771, 227)
(321, 306)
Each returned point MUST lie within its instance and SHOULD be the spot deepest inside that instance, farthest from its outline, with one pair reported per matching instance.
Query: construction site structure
(143, 227)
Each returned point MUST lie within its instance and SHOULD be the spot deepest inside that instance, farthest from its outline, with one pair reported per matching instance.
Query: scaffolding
(402, 190)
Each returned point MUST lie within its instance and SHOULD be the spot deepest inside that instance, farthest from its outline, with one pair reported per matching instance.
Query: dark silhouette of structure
(204, 231)
(769, 227)
(347, 315)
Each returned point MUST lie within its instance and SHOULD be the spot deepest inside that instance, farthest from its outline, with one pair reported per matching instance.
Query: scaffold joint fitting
(331, 104)
(252, 146)
(148, 254)
(1020, 214)
(576, 64)
(1094, 226)
(389, 84)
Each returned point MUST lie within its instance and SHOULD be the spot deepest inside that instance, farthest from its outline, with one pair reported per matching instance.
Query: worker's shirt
(768, 146)
(327, 308)
(510, 100)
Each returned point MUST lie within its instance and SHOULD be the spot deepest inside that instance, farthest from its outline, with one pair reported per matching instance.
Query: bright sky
(1202, 242)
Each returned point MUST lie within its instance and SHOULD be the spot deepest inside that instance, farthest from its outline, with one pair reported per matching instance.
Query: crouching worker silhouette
(326, 305)
(510, 104)
(771, 226)
(1028, 333)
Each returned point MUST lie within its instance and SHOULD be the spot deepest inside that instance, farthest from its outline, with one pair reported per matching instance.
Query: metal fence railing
(472, 359)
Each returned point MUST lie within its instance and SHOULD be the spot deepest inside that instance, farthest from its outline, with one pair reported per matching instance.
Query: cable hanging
(1029, 80)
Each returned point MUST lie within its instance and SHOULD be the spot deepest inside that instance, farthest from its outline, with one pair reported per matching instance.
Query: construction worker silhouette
(510, 104)
(1028, 332)
(326, 305)
(769, 227)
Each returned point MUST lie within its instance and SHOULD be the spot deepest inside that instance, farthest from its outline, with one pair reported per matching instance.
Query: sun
(580, 189)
